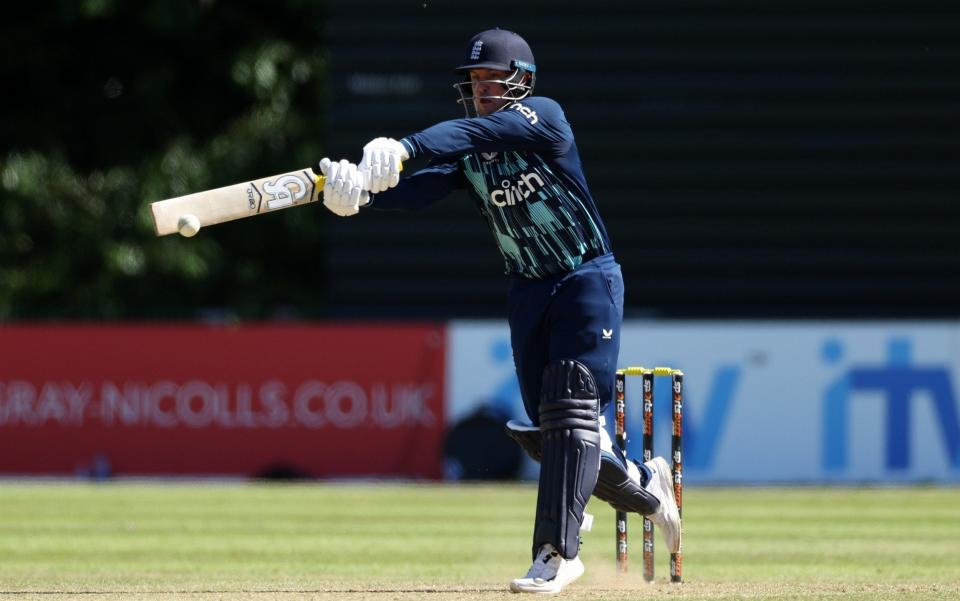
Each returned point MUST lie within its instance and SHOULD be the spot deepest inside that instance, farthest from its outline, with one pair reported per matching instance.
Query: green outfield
(437, 542)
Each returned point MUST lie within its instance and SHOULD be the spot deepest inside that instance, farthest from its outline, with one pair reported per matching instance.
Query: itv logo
(901, 385)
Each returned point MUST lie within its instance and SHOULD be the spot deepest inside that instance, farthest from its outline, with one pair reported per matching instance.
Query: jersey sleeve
(420, 189)
(531, 124)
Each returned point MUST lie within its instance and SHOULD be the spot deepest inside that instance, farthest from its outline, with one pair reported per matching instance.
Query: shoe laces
(546, 565)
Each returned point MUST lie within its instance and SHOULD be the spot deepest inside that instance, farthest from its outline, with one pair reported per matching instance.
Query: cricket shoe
(549, 573)
(667, 516)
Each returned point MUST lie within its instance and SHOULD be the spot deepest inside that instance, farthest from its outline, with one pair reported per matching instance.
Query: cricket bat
(187, 214)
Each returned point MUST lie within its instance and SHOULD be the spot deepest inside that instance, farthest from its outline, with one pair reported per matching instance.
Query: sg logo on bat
(286, 190)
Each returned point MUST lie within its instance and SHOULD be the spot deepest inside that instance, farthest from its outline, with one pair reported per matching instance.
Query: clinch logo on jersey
(512, 192)
(526, 111)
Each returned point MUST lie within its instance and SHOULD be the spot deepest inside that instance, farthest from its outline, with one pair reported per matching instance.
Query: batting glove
(381, 163)
(343, 192)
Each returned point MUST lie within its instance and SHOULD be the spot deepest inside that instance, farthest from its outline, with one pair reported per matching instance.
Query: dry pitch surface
(437, 542)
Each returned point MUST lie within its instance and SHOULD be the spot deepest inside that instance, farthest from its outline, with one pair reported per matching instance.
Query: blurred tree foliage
(115, 104)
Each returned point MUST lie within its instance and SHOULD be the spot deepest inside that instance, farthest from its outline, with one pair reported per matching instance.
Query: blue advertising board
(769, 402)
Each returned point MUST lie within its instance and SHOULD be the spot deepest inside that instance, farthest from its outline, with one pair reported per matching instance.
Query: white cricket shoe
(667, 516)
(549, 573)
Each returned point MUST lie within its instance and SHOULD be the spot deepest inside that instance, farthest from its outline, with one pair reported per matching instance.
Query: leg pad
(570, 447)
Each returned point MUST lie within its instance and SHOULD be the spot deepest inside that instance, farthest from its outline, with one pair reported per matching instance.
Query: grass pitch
(438, 542)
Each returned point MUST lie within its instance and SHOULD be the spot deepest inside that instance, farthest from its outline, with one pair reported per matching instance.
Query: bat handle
(321, 180)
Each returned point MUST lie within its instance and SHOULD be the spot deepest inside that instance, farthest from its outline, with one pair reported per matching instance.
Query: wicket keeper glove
(343, 193)
(381, 163)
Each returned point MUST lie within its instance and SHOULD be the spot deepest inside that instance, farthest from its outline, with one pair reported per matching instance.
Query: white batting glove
(381, 163)
(343, 193)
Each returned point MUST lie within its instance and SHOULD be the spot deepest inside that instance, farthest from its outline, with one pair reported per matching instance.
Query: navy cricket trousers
(576, 315)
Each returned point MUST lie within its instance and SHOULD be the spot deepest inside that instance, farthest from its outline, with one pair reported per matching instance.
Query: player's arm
(532, 124)
(420, 189)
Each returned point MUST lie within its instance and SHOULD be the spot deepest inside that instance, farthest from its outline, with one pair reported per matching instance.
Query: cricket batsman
(515, 153)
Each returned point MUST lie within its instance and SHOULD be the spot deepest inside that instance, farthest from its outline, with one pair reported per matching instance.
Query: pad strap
(614, 484)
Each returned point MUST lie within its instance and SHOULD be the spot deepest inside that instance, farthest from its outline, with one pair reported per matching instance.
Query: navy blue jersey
(523, 170)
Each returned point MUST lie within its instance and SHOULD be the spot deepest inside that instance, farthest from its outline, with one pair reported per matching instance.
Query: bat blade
(239, 200)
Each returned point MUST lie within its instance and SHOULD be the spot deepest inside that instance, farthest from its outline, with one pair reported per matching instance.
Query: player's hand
(343, 193)
(381, 163)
